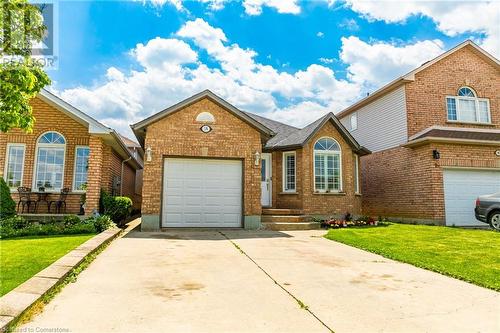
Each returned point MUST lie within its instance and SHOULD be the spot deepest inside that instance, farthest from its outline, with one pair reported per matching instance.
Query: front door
(265, 183)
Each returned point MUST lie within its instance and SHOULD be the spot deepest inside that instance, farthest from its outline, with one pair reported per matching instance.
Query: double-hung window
(14, 165)
(81, 168)
(327, 166)
(467, 107)
(49, 168)
(289, 169)
(354, 121)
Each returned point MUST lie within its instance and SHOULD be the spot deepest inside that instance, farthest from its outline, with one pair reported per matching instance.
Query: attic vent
(205, 117)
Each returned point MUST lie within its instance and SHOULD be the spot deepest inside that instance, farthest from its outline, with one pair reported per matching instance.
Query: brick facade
(425, 97)
(305, 198)
(102, 160)
(407, 183)
(178, 135)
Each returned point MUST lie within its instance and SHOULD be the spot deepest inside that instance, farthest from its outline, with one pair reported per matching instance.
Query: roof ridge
(269, 119)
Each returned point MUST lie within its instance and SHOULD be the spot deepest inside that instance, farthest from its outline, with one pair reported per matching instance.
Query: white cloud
(320, 34)
(164, 52)
(451, 17)
(254, 7)
(326, 60)
(170, 70)
(378, 63)
(349, 24)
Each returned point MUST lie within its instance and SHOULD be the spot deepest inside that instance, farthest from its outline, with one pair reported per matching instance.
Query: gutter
(429, 139)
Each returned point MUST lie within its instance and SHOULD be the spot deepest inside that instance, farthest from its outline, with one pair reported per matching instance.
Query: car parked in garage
(488, 209)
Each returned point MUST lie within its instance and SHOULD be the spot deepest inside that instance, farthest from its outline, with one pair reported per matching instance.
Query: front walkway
(234, 281)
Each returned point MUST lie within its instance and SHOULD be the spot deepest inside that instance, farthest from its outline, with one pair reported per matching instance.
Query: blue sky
(293, 61)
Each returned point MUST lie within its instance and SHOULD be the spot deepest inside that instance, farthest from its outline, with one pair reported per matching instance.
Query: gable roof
(140, 127)
(299, 137)
(410, 76)
(110, 136)
(278, 135)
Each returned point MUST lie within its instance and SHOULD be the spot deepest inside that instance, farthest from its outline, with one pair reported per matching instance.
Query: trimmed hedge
(18, 226)
(117, 208)
(7, 205)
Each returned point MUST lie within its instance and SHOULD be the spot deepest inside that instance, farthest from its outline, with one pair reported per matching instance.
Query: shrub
(18, 226)
(101, 223)
(7, 205)
(15, 222)
(71, 220)
(117, 208)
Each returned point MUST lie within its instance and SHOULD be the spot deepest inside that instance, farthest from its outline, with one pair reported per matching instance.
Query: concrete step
(281, 211)
(285, 218)
(289, 226)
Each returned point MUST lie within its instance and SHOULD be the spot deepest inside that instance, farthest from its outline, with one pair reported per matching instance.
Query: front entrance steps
(280, 219)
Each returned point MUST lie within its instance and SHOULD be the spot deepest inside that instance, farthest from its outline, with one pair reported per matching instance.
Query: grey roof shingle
(288, 136)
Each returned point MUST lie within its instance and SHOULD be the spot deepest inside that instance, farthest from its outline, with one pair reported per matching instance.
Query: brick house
(68, 149)
(435, 138)
(209, 164)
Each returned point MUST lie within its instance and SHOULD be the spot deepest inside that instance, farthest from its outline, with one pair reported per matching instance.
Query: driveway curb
(16, 302)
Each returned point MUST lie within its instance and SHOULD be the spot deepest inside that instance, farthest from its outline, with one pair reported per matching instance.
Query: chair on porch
(61, 202)
(24, 199)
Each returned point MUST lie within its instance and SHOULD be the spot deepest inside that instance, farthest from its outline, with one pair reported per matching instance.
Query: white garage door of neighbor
(202, 193)
(461, 188)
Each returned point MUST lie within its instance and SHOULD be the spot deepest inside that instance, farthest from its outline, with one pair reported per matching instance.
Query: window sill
(357, 194)
(329, 193)
(291, 193)
(457, 122)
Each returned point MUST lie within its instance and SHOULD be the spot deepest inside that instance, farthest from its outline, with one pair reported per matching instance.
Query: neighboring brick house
(435, 138)
(68, 149)
(208, 164)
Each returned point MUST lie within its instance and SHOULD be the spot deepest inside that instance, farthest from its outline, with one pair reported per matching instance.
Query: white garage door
(461, 188)
(202, 193)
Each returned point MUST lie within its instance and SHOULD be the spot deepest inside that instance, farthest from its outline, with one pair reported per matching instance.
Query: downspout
(121, 176)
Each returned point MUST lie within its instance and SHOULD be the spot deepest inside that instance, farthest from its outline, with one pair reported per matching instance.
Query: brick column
(94, 174)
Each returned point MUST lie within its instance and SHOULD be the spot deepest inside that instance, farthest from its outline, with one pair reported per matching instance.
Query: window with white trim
(49, 168)
(354, 121)
(15, 165)
(289, 169)
(81, 168)
(327, 166)
(467, 107)
(356, 174)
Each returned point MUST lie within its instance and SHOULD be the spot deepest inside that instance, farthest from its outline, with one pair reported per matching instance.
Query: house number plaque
(205, 128)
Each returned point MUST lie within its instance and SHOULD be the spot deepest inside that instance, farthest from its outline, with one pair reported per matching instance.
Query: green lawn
(470, 255)
(21, 258)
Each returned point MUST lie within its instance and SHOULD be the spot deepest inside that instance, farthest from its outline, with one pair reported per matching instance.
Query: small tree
(21, 78)
(7, 205)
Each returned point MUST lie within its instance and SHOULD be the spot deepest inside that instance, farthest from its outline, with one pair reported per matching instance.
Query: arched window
(205, 117)
(466, 107)
(466, 91)
(327, 166)
(49, 165)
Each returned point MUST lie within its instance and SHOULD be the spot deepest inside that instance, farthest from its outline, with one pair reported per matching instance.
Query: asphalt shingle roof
(289, 136)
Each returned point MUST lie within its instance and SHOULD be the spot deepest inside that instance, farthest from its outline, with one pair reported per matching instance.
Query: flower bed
(346, 222)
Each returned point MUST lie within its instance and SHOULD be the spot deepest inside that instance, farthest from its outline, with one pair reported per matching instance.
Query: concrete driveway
(247, 281)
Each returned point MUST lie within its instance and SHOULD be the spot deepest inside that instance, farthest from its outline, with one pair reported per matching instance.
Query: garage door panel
(461, 188)
(202, 193)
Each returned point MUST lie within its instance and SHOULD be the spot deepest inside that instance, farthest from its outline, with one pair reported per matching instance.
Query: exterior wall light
(148, 154)
(257, 158)
(435, 154)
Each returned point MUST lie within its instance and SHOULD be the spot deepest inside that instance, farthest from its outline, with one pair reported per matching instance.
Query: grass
(466, 254)
(21, 258)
